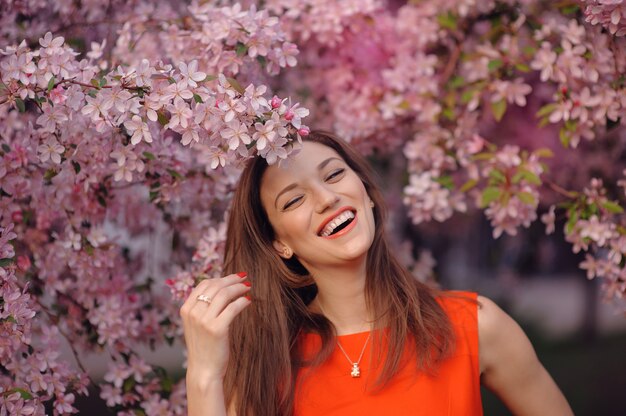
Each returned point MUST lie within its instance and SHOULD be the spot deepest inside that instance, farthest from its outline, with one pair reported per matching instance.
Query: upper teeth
(336, 222)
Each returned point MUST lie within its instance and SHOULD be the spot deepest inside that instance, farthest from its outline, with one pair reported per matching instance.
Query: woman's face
(318, 208)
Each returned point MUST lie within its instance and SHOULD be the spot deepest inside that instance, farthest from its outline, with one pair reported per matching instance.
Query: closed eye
(334, 174)
(291, 202)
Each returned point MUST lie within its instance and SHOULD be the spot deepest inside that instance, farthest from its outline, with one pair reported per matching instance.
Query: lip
(331, 217)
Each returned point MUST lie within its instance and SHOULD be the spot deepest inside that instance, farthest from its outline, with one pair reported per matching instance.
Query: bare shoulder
(492, 321)
(510, 367)
(500, 337)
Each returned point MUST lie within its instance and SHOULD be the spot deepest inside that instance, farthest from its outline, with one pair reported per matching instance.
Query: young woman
(319, 318)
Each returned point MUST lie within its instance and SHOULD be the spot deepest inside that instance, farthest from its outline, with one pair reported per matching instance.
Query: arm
(510, 368)
(205, 325)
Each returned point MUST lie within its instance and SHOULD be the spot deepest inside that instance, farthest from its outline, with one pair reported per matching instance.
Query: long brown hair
(265, 359)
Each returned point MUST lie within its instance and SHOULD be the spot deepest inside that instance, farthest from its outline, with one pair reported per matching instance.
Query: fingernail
(247, 283)
(248, 297)
(242, 274)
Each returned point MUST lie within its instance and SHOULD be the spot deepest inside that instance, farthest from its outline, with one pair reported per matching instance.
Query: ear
(282, 249)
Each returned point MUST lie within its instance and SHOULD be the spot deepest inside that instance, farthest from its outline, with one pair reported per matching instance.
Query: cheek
(292, 228)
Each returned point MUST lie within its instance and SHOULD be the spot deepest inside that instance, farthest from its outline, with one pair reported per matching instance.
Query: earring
(287, 253)
(372, 203)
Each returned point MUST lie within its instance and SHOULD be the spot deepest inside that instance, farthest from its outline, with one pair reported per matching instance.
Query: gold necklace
(356, 370)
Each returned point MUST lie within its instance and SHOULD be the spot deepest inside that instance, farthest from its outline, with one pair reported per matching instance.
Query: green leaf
(489, 195)
(139, 412)
(167, 384)
(174, 174)
(241, 49)
(564, 137)
(612, 207)
(209, 78)
(527, 198)
(522, 67)
(51, 83)
(448, 113)
(456, 82)
(76, 166)
(468, 185)
(495, 64)
(261, 60)
(129, 383)
(49, 174)
(6, 147)
(482, 156)
(543, 152)
(20, 105)
(526, 175)
(497, 176)
(101, 201)
(149, 156)
(6, 262)
(447, 21)
(162, 118)
(153, 195)
(573, 219)
(467, 96)
(26, 395)
(529, 50)
(546, 109)
(236, 85)
(95, 83)
(570, 9)
(445, 181)
(197, 99)
(498, 109)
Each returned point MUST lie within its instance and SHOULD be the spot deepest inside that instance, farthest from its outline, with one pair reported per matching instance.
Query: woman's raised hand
(207, 315)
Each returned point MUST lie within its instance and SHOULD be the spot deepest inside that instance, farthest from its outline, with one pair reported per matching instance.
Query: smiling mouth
(337, 224)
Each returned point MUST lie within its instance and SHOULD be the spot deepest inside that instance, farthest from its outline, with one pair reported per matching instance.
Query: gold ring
(204, 298)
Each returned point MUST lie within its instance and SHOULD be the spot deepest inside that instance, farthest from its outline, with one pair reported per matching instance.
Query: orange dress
(453, 390)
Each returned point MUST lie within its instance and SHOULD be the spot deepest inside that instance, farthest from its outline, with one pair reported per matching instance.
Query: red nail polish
(242, 274)
(248, 297)
(247, 283)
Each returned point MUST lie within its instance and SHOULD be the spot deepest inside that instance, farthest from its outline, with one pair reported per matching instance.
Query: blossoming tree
(108, 150)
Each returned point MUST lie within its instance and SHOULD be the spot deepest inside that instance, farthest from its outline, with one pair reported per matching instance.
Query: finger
(211, 286)
(234, 308)
(225, 296)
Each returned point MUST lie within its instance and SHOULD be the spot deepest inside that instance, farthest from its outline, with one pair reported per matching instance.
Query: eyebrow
(289, 187)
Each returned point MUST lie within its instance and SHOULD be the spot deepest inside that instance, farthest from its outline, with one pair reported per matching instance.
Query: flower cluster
(96, 157)
(595, 225)
(122, 138)
(609, 13)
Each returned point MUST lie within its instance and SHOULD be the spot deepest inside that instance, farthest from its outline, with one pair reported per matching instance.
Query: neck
(341, 296)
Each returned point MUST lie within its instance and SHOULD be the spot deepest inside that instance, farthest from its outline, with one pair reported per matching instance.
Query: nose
(325, 198)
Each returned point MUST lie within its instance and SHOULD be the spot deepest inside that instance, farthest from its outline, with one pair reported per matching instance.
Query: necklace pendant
(356, 370)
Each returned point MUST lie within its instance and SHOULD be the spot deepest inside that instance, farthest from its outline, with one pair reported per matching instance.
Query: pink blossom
(544, 61)
(190, 73)
(143, 73)
(51, 149)
(512, 92)
(236, 133)
(51, 117)
(264, 134)
(548, 219)
(181, 113)
(596, 230)
(138, 129)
